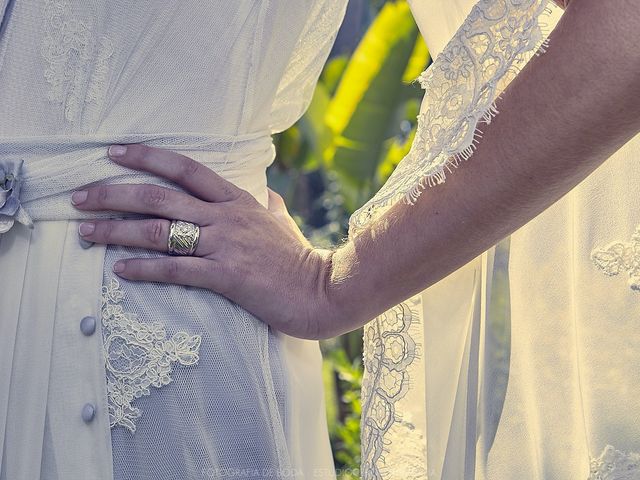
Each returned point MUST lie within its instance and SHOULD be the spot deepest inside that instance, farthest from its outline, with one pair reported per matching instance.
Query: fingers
(151, 234)
(147, 199)
(186, 172)
(192, 271)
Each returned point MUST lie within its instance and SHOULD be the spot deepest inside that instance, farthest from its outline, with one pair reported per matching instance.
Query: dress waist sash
(56, 165)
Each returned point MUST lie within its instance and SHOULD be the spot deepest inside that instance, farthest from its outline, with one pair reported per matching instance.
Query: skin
(563, 116)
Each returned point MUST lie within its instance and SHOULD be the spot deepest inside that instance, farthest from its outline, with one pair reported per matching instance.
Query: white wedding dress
(183, 383)
(523, 363)
(188, 384)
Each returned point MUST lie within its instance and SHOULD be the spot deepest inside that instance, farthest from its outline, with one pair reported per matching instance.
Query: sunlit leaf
(367, 99)
(333, 71)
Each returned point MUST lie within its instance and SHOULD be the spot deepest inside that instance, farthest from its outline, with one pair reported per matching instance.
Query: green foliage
(359, 125)
(360, 113)
(359, 105)
(343, 379)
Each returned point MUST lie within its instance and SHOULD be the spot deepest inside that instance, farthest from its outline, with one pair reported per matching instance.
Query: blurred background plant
(360, 124)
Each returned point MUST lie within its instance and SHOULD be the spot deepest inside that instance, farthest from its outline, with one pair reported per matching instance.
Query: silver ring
(183, 237)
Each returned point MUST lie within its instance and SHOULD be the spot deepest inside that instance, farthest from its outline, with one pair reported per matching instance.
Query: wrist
(322, 317)
(343, 308)
(325, 309)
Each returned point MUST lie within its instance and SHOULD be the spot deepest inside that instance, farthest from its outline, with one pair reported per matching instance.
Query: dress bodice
(209, 67)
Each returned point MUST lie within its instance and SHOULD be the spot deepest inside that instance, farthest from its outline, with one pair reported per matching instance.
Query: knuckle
(106, 231)
(153, 196)
(172, 269)
(188, 168)
(245, 196)
(102, 194)
(236, 219)
(230, 191)
(155, 231)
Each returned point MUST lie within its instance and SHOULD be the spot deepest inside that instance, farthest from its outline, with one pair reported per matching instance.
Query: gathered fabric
(55, 166)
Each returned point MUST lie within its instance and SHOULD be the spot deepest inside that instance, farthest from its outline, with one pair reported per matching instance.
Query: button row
(88, 328)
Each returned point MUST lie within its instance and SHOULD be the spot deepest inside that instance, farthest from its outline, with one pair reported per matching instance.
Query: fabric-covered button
(85, 243)
(88, 412)
(88, 325)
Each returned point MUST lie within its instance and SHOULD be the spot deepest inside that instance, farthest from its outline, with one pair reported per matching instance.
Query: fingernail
(117, 150)
(86, 228)
(79, 196)
(118, 267)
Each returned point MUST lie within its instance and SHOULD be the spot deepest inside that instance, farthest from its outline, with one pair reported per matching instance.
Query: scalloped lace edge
(434, 153)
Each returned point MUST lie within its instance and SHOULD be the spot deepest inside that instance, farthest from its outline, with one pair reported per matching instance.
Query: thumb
(278, 209)
(276, 203)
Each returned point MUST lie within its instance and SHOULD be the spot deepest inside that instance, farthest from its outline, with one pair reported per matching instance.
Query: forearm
(565, 114)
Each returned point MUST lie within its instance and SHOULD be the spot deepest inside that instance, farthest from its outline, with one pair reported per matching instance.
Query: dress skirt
(106, 378)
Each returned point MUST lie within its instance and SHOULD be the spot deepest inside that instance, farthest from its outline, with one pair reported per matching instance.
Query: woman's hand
(256, 257)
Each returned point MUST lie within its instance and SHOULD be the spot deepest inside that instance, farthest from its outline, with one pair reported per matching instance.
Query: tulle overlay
(108, 379)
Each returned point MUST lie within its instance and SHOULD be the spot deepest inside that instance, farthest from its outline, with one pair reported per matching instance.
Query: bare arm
(563, 116)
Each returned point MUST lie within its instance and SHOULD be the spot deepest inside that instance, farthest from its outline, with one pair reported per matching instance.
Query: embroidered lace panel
(461, 87)
(619, 257)
(137, 356)
(615, 465)
(77, 63)
(389, 350)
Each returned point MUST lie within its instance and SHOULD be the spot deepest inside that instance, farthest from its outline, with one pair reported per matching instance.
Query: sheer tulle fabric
(184, 383)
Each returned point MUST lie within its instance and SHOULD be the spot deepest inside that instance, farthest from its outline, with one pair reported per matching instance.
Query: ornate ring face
(183, 237)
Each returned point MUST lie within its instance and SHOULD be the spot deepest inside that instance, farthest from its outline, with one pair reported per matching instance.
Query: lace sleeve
(461, 87)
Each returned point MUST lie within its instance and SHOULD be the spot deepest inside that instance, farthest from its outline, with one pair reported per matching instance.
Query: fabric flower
(10, 208)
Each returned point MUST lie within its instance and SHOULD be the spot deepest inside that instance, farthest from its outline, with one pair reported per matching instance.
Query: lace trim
(389, 350)
(618, 257)
(137, 356)
(461, 87)
(460, 91)
(613, 464)
(70, 51)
